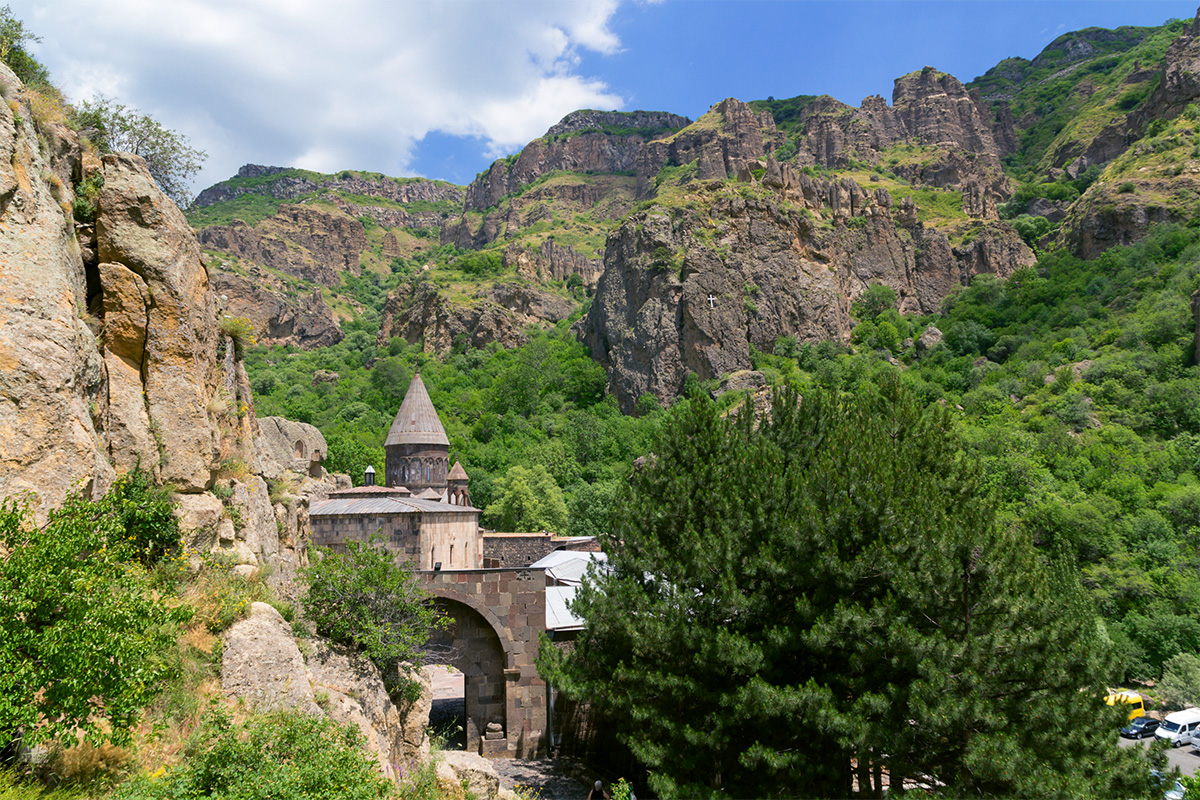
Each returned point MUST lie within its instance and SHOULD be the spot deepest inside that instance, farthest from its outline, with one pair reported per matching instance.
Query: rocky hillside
(782, 210)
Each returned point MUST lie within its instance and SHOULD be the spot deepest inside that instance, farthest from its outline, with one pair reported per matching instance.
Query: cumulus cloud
(327, 86)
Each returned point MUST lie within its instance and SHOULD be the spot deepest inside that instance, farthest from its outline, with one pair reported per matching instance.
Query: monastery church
(502, 591)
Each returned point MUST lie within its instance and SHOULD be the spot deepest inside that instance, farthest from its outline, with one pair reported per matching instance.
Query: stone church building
(423, 511)
(500, 602)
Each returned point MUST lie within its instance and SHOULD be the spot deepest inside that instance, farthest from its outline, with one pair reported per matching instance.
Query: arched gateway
(496, 617)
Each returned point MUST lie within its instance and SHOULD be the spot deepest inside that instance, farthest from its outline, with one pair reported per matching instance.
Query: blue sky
(440, 89)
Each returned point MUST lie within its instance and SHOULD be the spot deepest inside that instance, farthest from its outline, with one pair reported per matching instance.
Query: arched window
(452, 555)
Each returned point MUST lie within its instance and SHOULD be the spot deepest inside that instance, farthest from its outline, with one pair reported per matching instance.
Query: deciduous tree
(113, 127)
(81, 633)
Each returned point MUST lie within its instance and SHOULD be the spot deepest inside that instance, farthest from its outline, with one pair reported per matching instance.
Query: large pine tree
(823, 603)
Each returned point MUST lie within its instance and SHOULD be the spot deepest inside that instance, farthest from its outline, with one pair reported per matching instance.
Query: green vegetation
(527, 499)
(1060, 102)
(113, 128)
(280, 755)
(14, 52)
(362, 599)
(250, 208)
(838, 576)
(82, 633)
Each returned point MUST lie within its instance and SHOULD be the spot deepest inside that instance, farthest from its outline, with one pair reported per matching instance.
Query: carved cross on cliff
(711, 300)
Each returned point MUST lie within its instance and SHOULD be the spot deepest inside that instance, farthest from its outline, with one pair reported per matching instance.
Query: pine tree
(825, 602)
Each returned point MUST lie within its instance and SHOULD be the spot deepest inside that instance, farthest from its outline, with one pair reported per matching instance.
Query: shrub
(363, 599)
(87, 194)
(1126, 188)
(280, 755)
(240, 329)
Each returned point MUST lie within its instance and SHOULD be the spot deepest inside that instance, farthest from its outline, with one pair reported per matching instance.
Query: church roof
(417, 421)
(457, 473)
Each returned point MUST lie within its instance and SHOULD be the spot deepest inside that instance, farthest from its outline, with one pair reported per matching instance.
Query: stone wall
(399, 530)
(516, 549)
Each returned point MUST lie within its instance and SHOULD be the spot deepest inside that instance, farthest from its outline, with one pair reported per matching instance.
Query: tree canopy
(827, 599)
(112, 127)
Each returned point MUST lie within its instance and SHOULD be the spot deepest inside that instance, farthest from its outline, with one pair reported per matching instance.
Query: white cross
(710, 301)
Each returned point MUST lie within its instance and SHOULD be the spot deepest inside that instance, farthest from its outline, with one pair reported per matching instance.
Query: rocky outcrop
(418, 313)
(692, 290)
(600, 197)
(262, 664)
(721, 142)
(1106, 217)
(284, 446)
(277, 314)
(551, 262)
(293, 186)
(935, 109)
(584, 141)
(301, 240)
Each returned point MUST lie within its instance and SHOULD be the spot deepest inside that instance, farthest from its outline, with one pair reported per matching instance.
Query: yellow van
(1137, 708)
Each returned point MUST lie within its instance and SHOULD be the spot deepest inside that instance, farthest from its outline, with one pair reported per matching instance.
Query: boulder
(350, 690)
(481, 778)
(199, 517)
(929, 339)
(261, 664)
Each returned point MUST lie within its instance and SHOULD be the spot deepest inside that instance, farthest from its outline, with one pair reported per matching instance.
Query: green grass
(250, 208)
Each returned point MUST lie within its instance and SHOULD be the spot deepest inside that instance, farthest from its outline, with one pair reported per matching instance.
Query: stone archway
(472, 644)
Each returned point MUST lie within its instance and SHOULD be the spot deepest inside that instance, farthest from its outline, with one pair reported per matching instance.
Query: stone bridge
(497, 616)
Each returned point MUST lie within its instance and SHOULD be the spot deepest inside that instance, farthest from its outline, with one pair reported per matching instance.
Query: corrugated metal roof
(417, 421)
(558, 615)
(341, 507)
(559, 557)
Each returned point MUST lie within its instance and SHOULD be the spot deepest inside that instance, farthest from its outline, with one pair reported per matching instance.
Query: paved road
(1185, 757)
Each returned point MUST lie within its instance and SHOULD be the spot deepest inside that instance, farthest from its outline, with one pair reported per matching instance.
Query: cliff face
(278, 316)
(691, 287)
(418, 312)
(584, 141)
(113, 356)
(305, 241)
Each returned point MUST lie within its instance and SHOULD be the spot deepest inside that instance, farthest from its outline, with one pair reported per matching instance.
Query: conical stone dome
(417, 421)
(416, 447)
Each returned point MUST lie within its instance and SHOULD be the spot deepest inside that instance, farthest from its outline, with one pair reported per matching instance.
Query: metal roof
(558, 615)
(339, 507)
(567, 566)
(417, 421)
(457, 473)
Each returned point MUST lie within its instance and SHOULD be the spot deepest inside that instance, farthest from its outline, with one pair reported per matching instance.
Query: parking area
(1185, 757)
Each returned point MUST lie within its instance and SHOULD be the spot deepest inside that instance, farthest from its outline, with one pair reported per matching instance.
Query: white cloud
(353, 84)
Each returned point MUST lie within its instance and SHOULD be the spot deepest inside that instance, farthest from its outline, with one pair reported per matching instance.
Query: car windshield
(1140, 722)
(1170, 727)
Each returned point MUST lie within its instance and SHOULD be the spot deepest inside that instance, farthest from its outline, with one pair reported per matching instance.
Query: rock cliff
(690, 287)
(583, 141)
(501, 313)
(304, 241)
(114, 356)
(278, 316)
